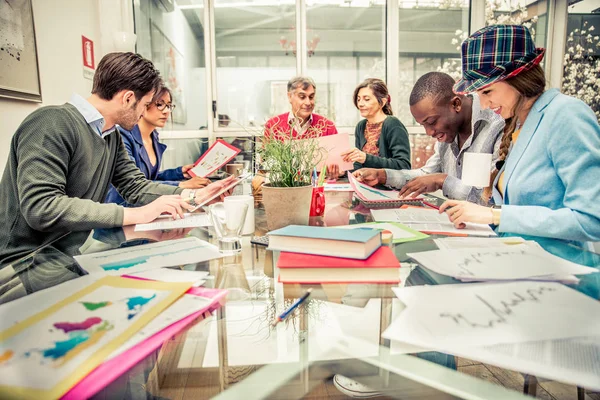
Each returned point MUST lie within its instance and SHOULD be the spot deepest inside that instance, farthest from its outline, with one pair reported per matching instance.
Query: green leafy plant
(289, 161)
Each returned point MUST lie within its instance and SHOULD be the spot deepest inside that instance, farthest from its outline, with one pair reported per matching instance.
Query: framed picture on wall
(19, 72)
(169, 61)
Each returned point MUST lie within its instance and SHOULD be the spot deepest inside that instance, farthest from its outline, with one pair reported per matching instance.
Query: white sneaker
(352, 388)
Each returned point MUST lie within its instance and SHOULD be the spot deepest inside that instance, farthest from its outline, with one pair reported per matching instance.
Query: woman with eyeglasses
(146, 151)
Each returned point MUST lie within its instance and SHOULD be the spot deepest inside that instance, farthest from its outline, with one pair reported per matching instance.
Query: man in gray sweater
(62, 159)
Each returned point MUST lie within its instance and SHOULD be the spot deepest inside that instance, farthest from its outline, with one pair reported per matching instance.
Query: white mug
(476, 169)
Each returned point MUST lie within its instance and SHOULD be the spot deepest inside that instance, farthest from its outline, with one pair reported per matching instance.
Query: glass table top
(237, 353)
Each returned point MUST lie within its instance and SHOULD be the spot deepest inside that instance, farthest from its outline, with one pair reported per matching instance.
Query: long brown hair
(530, 84)
(380, 91)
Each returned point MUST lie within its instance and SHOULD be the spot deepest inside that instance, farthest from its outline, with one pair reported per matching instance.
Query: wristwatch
(496, 213)
(192, 198)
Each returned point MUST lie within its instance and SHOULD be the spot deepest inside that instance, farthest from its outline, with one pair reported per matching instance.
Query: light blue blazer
(552, 172)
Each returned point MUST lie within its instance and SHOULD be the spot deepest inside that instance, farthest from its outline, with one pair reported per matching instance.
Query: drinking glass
(228, 226)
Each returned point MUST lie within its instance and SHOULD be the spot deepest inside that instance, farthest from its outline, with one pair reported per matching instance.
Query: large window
(255, 57)
(230, 62)
(345, 44)
(429, 40)
(174, 41)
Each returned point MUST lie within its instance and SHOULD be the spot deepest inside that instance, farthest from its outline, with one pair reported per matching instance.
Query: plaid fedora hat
(495, 53)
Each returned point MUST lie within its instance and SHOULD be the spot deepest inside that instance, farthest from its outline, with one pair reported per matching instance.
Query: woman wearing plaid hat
(548, 182)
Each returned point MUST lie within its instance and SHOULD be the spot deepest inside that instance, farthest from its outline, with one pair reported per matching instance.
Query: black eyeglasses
(162, 105)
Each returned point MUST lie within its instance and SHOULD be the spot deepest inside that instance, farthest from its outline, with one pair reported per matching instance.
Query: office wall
(59, 25)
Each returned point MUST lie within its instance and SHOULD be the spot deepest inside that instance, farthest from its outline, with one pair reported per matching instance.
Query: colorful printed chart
(47, 353)
(145, 257)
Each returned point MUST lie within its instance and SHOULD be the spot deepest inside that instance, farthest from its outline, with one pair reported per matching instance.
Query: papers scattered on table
(173, 275)
(166, 222)
(130, 260)
(573, 360)
(519, 261)
(544, 329)
(446, 316)
(338, 187)
(409, 215)
(401, 233)
(429, 221)
(453, 243)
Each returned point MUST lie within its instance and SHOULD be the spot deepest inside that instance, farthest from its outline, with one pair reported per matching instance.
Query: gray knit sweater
(56, 177)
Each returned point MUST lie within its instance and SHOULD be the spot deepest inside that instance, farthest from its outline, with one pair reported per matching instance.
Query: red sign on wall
(87, 48)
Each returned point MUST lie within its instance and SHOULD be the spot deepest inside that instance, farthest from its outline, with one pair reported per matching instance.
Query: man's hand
(172, 205)
(185, 170)
(354, 155)
(422, 184)
(371, 176)
(461, 212)
(194, 183)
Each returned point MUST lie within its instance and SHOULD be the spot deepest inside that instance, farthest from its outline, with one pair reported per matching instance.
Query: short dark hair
(380, 91)
(125, 71)
(435, 85)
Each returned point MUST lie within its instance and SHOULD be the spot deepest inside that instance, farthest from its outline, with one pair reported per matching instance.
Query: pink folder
(110, 370)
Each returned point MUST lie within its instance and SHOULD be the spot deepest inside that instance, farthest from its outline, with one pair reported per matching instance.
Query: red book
(381, 267)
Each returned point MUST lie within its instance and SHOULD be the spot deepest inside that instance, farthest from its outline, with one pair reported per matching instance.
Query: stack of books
(311, 254)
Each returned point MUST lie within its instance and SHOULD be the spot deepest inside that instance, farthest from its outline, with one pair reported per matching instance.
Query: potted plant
(289, 163)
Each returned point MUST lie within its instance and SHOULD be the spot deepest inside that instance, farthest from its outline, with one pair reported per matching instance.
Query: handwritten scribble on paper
(504, 309)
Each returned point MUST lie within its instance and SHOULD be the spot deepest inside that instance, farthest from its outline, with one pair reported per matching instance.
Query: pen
(292, 307)
(322, 176)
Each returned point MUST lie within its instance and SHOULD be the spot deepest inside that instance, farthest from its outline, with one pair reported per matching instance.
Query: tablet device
(233, 183)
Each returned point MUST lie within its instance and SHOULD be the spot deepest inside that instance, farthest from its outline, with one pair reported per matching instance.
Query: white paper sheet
(188, 221)
(338, 187)
(510, 262)
(573, 360)
(426, 220)
(134, 259)
(448, 316)
(453, 243)
(173, 275)
(409, 215)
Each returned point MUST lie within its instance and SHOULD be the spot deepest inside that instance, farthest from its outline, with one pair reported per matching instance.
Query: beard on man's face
(129, 118)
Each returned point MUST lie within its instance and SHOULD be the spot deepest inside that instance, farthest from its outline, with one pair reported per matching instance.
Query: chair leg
(580, 393)
(530, 385)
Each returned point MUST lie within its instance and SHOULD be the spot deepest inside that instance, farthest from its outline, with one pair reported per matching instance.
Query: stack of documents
(429, 221)
(542, 328)
(519, 261)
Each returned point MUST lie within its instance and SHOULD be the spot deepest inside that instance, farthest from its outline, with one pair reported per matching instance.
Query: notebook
(376, 198)
(356, 243)
(381, 267)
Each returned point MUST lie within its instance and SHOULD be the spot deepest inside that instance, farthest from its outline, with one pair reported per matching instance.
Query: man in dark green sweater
(62, 159)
